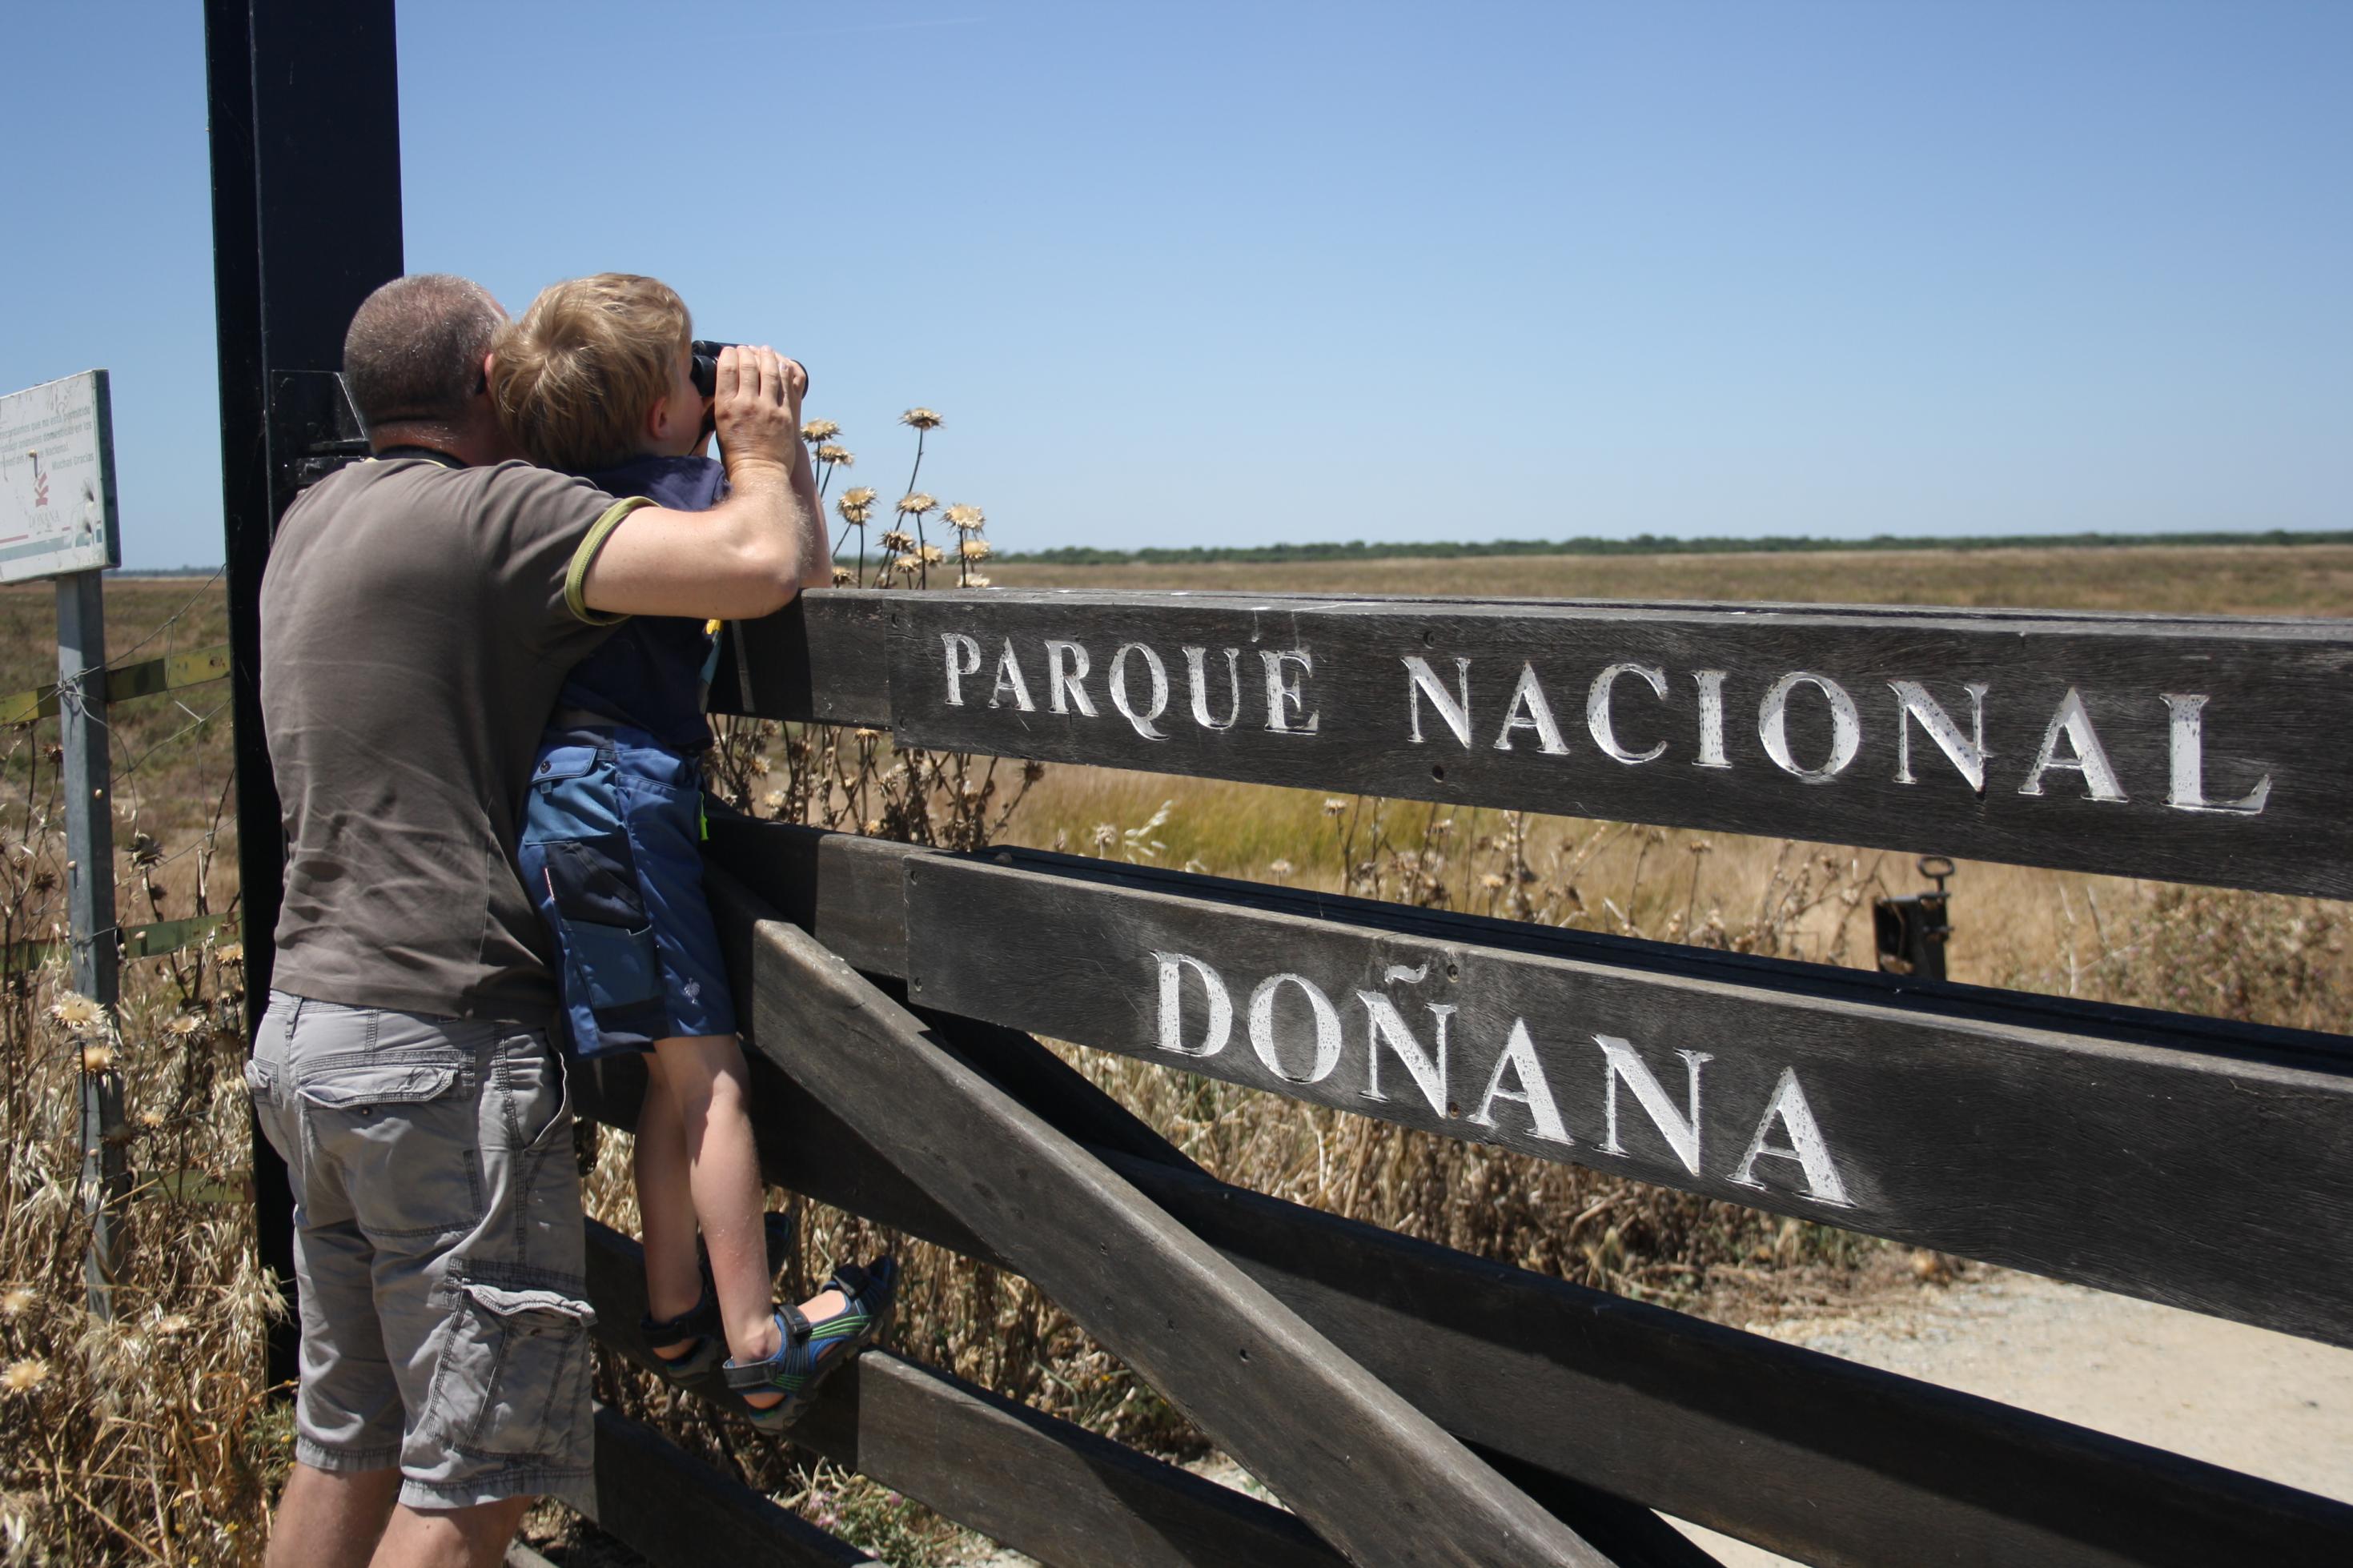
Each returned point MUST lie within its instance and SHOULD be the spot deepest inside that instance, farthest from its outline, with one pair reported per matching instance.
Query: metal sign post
(58, 520)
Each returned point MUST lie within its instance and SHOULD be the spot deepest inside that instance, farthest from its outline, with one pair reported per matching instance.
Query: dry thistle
(929, 555)
(97, 1058)
(966, 518)
(817, 430)
(974, 550)
(1334, 808)
(898, 541)
(915, 505)
(840, 457)
(77, 1012)
(975, 580)
(17, 1302)
(186, 1025)
(843, 577)
(24, 1376)
(921, 419)
(908, 566)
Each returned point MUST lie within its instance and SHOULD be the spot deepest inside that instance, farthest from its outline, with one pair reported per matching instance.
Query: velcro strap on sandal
(795, 1322)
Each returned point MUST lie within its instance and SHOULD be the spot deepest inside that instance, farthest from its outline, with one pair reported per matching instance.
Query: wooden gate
(1410, 1404)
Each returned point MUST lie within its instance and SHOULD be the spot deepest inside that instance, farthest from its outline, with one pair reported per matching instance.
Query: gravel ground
(2256, 1401)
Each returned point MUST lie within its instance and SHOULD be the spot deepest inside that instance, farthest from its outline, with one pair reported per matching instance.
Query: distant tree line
(1641, 544)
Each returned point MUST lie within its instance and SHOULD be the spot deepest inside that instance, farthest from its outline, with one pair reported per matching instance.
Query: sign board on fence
(57, 479)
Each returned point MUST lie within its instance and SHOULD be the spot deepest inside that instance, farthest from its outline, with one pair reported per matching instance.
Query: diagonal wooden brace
(1375, 1477)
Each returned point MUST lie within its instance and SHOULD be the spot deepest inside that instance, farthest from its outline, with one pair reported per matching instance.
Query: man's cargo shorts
(438, 1249)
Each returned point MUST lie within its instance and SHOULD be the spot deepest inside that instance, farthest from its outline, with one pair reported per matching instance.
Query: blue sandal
(811, 1351)
(699, 1325)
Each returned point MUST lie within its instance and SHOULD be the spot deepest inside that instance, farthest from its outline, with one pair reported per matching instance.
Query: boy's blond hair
(574, 377)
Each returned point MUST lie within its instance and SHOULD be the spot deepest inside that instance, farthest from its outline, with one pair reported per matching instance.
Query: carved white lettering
(1009, 682)
(1806, 1145)
(1711, 719)
(2186, 745)
(2089, 758)
(1066, 672)
(1171, 988)
(1773, 726)
(1913, 701)
(1529, 711)
(1519, 1059)
(1283, 698)
(1425, 683)
(1597, 710)
(1196, 669)
(951, 645)
(1159, 672)
(1328, 1027)
(1386, 1025)
(1681, 1132)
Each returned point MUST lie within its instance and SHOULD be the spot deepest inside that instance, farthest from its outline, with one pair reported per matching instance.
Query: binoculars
(706, 366)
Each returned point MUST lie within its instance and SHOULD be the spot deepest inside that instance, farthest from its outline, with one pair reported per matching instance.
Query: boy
(596, 378)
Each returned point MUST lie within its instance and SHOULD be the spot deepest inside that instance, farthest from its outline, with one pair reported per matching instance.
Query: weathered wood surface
(677, 1511)
(1822, 1459)
(1047, 1488)
(2200, 1179)
(2204, 750)
(1372, 1474)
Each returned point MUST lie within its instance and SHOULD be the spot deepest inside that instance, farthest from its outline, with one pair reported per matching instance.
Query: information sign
(57, 479)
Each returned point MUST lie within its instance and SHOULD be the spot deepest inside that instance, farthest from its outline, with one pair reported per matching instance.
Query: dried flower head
(858, 495)
(1334, 808)
(1492, 881)
(921, 418)
(174, 1324)
(24, 1376)
(915, 505)
(774, 800)
(1104, 835)
(855, 512)
(97, 1058)
(840, 457)
(817, 430)
(1281, 867)
(907, 565)
(17, 1301)
(843, 577)
(898, 540)
(77, 1012)
(186, 1025)
(232, 953)
(932, 555)
(151, 1118)
(966, 518)
(974, 550)
(975, 580)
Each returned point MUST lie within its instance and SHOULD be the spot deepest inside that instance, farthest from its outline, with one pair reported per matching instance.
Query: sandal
(811, 1351)
(699, 1325)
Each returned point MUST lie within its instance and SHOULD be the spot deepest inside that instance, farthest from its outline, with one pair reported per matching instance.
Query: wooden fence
(1409, 1404)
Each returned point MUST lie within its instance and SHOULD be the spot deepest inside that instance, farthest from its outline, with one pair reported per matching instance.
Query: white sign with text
(57, 479)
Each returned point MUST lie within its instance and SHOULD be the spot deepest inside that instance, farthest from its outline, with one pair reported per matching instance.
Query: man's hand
(758, 409)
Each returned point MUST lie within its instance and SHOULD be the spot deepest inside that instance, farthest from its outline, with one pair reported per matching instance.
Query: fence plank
(2200, 1180)
(1046, 1487)
(1371, 1474)
(677, 1511)
(2203, 750)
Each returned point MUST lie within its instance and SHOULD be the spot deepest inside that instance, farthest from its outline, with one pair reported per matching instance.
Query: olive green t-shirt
(416, 620)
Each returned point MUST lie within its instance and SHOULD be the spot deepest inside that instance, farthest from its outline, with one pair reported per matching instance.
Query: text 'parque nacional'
(1633, 714)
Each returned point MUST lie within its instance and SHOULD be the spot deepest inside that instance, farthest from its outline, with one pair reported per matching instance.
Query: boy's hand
(758, 407)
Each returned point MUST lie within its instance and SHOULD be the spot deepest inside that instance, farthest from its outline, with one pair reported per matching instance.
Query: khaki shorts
(438, 1250)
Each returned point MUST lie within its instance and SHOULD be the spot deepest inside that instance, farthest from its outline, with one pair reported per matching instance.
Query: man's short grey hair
(415, 349)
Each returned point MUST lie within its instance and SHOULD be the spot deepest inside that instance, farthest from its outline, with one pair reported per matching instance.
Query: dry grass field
(147, 1440)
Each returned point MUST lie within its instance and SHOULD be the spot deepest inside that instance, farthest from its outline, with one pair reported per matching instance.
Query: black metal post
(305, 124)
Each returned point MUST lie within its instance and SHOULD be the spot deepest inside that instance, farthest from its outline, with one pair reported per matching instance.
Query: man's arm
(747, 556)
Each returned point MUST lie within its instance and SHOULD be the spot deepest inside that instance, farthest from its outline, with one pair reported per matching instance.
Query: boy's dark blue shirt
(650, 672)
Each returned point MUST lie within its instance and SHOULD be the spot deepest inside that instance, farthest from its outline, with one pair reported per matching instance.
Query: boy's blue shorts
(612, 853)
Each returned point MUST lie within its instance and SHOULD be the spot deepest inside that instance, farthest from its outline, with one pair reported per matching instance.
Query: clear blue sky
(1205, 273)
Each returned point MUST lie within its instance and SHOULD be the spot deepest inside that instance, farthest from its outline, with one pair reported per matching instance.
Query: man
(419, 614)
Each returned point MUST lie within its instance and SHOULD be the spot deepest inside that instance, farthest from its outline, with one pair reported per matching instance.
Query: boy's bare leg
(331, 1518)
(665, 1201)
(472, 1537)
(706, 1078)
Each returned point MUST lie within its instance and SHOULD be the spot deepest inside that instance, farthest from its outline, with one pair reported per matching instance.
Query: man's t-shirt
(417, 621)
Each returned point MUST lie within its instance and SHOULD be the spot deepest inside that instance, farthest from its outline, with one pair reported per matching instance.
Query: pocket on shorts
(405, 1135)
(512, 1378)
(600, 916)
